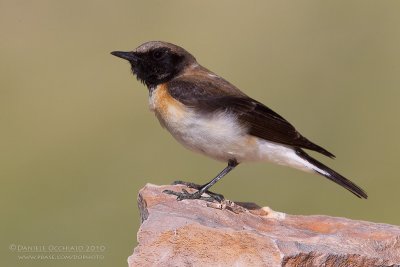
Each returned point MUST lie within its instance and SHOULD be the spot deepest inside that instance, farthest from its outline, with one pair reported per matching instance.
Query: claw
(186, 195)
(188, 184)
(196, 195)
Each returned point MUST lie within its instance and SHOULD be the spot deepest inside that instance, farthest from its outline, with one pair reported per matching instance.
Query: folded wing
(212, 95)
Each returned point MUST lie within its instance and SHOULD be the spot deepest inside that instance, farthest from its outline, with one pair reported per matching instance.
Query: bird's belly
(218, 135)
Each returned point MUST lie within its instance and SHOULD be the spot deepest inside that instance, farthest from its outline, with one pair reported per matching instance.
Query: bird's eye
(157, 54)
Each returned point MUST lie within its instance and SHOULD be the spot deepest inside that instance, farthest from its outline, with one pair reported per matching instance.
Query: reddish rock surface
(193, 233)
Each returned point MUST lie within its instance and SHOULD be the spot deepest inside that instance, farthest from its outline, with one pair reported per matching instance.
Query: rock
(200, 233)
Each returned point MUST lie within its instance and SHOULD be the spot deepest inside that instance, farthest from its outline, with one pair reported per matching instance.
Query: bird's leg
(204, 189)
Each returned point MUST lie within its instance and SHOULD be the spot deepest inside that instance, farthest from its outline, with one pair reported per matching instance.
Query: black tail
(332, 175)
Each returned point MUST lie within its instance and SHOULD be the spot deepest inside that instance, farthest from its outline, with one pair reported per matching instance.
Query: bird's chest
(171, 113)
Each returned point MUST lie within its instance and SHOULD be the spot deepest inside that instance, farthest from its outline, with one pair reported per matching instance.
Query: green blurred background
(78, 142)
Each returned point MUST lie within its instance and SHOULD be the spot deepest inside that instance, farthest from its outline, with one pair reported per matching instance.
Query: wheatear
(209, 115)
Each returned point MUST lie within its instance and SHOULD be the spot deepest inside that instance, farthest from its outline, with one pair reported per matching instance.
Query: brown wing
(211, 94)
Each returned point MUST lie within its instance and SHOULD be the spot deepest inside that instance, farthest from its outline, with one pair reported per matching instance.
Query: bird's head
(157, 62)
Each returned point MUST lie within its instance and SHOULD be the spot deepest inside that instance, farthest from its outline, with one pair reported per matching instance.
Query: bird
(209, 115)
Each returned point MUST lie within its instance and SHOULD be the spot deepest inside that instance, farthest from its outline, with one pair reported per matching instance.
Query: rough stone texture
(193, 233)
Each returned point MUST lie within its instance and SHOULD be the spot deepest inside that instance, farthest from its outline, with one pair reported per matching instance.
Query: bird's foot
(215, 196)
(196, 195)
(188, 184)
(185, 195)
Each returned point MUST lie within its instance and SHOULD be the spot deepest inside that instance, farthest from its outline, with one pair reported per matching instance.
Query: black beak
(130, 56)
